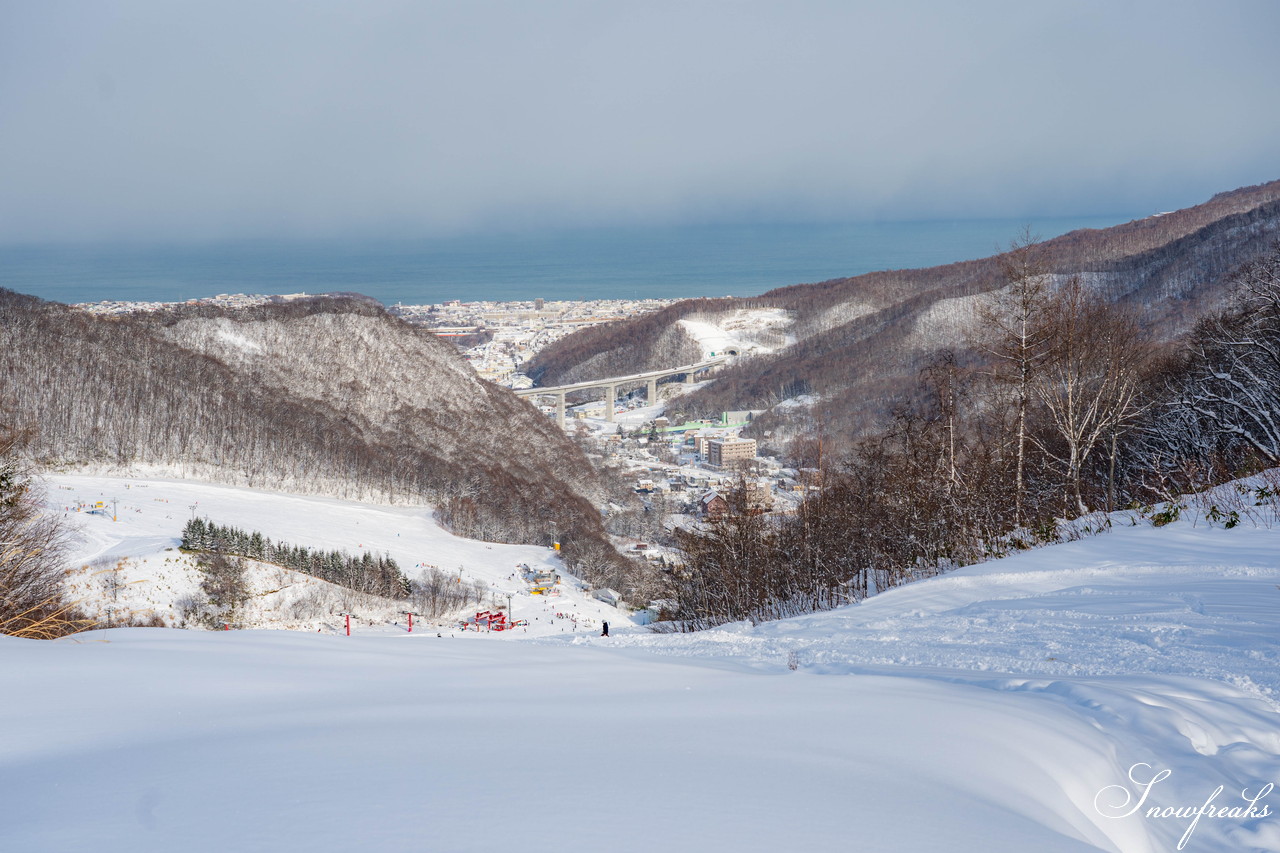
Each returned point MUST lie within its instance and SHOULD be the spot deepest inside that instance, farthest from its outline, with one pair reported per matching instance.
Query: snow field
(145, 739)
(746, 330)
(1165, 641)
(1178, 600)
(1009, 706)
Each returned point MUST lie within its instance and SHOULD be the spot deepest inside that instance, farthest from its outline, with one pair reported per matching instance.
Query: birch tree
(1011, 328)
(1089, 381)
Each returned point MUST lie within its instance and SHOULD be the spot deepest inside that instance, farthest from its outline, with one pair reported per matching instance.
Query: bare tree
(1090, 380)
(32, 548)
(731, 570)
(1011, 328)
(1234, 373)
(942, 377)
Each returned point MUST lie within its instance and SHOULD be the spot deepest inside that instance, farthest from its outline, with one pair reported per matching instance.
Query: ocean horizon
(668, 262)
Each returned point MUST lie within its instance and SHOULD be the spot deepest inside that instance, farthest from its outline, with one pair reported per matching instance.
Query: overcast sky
(170, 120)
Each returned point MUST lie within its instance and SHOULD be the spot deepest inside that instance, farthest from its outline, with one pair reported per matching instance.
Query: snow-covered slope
(150, 514)
(744, 331)
(1178, 600)
(1165, 641)
(164, 589)
(1006, 707)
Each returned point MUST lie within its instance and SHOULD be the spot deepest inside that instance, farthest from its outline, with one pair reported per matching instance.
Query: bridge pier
(610, 398)
(560, 409)
(652, 392)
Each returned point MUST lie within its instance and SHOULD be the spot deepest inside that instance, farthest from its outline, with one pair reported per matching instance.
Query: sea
(668, 262)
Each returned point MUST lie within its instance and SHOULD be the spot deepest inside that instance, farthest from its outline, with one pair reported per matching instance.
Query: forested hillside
(321, 396)
(653, 340)
(1070, 409)
(862, 340)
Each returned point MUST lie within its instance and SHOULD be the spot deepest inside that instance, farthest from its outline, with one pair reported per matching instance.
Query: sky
(178, 121)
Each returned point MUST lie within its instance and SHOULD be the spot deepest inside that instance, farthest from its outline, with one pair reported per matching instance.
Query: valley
(702, 426)
(764, 568)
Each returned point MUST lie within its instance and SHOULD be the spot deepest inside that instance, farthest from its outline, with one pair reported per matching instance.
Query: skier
(605, 632)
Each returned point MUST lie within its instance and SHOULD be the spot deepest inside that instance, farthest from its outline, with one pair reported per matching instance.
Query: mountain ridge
(865, 337)
(319, 396)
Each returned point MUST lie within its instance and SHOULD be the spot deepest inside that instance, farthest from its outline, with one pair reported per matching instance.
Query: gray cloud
(169, 120)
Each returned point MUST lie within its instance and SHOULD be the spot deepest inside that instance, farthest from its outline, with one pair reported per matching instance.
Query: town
(498, 338)
(683, 472)
(222, 300)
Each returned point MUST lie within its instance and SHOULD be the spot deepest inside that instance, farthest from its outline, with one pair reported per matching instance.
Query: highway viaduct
(610, 386)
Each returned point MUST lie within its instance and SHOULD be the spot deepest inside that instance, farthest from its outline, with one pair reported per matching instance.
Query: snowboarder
(605, 632)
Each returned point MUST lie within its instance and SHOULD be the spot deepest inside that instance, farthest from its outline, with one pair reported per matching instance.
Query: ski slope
(1006, 707)
(150, 513)
(1181, 600)
(745, 330)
